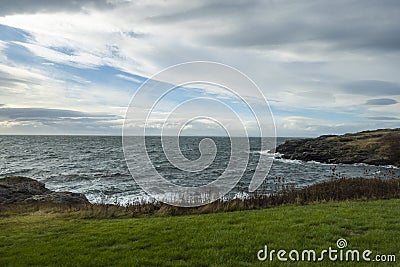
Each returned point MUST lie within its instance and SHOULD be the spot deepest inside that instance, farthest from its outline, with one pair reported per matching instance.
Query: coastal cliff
(17, 190)
(379, 147)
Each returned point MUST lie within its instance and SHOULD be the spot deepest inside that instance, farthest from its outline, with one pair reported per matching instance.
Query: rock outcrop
(379, 147)
(16, 190)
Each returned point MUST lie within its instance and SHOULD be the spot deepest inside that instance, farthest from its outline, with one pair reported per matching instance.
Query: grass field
(219, 239)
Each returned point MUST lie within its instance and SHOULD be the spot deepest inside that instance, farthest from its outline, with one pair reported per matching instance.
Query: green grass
(219, 239)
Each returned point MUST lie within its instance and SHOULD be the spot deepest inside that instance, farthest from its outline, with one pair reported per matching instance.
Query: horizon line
(107, 135)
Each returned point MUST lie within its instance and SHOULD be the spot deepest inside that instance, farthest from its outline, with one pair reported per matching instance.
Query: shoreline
(337, 189)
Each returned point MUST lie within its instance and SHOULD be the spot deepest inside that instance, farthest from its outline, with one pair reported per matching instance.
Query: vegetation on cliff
(379, 147)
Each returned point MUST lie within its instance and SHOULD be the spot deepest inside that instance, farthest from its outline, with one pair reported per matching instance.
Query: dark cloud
(381, 102)
(206, 10)
(58, 121)
(27, 114)
(342, 25)
(29, 6)
(339, 25)
(372, 88)
(378, 118)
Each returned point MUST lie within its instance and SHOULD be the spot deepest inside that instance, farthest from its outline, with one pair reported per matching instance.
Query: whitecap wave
(290, 161)
(321, 163)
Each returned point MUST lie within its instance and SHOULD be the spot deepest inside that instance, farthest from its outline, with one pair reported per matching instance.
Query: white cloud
(128, 78)
(23, 73)
(80, 60)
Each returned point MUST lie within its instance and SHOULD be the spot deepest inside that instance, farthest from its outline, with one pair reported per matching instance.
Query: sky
(325, 67)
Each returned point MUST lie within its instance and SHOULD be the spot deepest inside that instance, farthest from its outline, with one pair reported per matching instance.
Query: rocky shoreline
(379, 147)
(22, 190)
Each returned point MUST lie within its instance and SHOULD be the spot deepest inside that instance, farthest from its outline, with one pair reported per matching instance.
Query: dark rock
(15, 190)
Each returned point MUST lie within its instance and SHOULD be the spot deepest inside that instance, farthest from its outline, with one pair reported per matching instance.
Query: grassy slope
(220, 239)
(378, 147)
(383, 143)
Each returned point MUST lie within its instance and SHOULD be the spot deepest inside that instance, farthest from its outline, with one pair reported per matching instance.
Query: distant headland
(378, 147)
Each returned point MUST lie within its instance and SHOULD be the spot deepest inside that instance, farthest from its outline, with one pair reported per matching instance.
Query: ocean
(96, 166)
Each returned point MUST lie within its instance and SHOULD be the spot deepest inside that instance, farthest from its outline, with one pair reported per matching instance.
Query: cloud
(27, 6)
(325, 61)
(382, 118)
(13, 34)
(44, 115)
(268, 23)
(183, 11)
(372, 88)
(129, 78)
(10, 76)
(34, 113)
(80, 59)
(381, 101)
(300, 126)
(54, 121)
